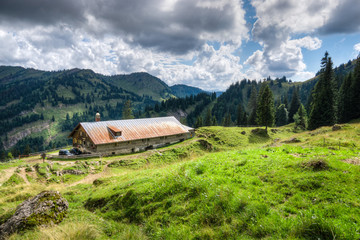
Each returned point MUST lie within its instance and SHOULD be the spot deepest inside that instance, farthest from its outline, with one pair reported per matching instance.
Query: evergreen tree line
(6, 126)
(327, 103)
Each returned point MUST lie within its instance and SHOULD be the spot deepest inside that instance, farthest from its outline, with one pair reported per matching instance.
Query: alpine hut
(126, 136)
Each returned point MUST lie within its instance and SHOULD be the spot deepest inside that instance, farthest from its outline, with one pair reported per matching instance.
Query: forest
(29, 98)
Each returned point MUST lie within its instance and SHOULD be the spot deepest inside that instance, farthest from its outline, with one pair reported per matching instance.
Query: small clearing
(354, 161)
(89, 179)
(22, 174)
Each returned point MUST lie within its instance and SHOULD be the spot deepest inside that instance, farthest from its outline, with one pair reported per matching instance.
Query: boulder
(46, 208)
(72, 171)
(274, 130)
(336, 127)
(293, 140)
(205, 144)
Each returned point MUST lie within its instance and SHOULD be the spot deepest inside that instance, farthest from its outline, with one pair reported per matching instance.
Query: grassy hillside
(142, 84)
(227, 183)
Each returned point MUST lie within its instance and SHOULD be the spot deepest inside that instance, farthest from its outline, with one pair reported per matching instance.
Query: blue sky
(204, 43)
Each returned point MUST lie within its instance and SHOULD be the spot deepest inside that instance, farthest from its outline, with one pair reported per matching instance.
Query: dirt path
(22, 174)
(6, 174)
(91, 177)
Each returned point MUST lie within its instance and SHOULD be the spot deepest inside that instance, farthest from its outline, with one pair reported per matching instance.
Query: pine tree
(240, 116)
(214, 121)
(252, 106)
(208, 118)
(27, 150)
(281, 116)
(227, 120)
(345, 108)
(199, 122)
(294, 105)
(323, 105)
(127, 112)
(355, 91)
(286, 102)
(300, 118)
(265, 109)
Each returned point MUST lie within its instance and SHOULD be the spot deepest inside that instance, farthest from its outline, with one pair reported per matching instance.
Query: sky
(204, 43)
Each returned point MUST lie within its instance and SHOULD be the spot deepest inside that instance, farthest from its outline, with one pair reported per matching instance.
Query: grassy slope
(247, 187)
(142, 83)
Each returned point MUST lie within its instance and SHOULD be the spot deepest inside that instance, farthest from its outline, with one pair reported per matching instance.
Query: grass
(246, 186)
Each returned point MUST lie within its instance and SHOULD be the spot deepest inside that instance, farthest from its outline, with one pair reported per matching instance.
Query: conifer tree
(286, 102)
(240, 116)
(281, 116)
(300, 118)
(127, 112)
(323, 105)
(199, 122)
(265, 110)
(252, 106)
(208, 118)
(345, 107)
(214, 121)
(294, 105)
(355, 91)
(227, 120)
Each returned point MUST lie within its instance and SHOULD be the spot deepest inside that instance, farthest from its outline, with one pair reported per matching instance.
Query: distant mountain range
(39, 108)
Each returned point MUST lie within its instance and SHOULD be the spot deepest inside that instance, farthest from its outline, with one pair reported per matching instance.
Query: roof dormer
(115, 132)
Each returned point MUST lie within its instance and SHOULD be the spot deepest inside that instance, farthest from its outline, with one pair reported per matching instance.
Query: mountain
(39, 108)
(142, 84)
(181, 90)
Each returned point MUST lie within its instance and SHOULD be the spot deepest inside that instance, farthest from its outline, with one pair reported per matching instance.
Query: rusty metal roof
(132, 129)
(114, 129)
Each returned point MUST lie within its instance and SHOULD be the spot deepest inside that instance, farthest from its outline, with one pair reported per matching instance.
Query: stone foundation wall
(140, 145)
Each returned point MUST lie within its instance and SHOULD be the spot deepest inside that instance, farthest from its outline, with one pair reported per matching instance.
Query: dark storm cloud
(43, 12)
(140, 22)
(176, 31)
(344, 19)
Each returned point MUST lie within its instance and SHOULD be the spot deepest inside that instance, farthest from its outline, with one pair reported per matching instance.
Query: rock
(260, 132)
(206, 144)
(46, 208)
(293, 140)
(336, 127)
(274, 130)
(243, 132)
(72, 171)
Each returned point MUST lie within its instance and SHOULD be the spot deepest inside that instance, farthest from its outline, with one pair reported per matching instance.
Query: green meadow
(226, 183)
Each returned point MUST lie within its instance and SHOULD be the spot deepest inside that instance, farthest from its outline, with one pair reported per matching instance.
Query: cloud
(278, 27)
(167, 38)
(168, 25)
(345, 18)
(357, 47)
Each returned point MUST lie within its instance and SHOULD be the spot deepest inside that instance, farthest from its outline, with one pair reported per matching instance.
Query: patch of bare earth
(6, 174)
(89, 179)
(354, 161)
(22, 174)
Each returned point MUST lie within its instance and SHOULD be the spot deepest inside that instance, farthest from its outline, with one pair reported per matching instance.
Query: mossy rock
(45, 209)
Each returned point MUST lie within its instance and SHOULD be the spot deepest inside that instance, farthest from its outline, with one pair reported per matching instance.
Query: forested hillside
(39, 108)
